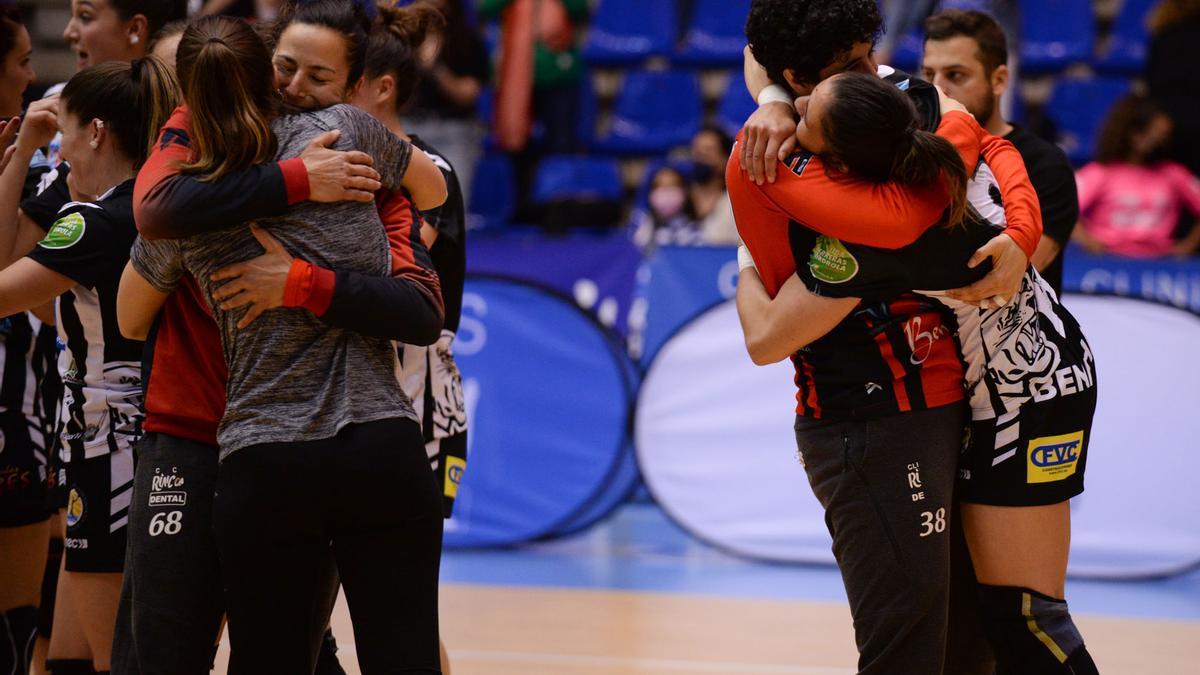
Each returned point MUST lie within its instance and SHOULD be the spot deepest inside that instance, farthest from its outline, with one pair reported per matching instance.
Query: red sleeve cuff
(295, 179)
(310, 287)
(324, 281)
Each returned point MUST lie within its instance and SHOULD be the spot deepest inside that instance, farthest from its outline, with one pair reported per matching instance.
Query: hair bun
(411, 23)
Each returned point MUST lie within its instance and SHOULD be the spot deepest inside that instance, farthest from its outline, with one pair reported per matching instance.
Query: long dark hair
(229, 84)
(871, 129)
(1130, 115)
(133, 99)
(392, 47)
(344, 17)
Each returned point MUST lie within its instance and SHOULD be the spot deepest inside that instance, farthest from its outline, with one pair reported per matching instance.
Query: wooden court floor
(505, 630)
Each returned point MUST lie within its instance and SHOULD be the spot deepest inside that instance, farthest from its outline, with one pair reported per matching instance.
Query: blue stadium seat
(493, 193)
(735, 106)
(624, 32)
(1126, 50)
(717, 34)
(584, 178)
(1056, 33)
(1078, 108)
(654, 112)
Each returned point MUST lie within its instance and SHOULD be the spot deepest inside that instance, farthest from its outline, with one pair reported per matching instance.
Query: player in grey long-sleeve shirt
(291, 376)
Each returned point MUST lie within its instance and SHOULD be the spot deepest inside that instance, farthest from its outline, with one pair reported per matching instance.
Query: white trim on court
(642, 663)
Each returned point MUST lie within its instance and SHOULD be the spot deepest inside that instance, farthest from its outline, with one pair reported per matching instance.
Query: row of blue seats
(493, 198)
(1058, 33)
(1054, 34)
(623, 32)
(656, 111)
(1077, 107)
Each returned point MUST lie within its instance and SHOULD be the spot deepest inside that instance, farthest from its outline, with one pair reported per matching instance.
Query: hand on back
(336, 176)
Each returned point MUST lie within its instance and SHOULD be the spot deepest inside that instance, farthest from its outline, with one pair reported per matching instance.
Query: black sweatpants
(887, 486)
(370, 495)
(171, 606)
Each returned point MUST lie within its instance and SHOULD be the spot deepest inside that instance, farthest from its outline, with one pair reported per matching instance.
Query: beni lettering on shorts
(1053, 458)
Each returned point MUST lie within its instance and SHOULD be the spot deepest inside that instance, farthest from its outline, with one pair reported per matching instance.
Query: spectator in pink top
(1130, 197)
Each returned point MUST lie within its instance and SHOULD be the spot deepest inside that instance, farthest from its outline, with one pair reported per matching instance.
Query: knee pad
(17, 638)
(70, 667)
(45, 617)
(1031, 633)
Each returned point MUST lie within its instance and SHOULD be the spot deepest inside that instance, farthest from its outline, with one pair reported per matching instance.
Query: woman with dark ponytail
(873, 129)
(1030, 373)
(109, 116)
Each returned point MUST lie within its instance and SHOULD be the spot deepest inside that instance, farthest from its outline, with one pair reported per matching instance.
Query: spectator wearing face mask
(710, 152)
(670, 216)
(1131, 197)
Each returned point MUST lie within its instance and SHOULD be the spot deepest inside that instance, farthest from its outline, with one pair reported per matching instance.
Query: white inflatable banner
(716, 448)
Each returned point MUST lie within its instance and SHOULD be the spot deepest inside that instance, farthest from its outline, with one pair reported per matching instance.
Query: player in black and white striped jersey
(29, 387)
(108, 115)
(428, 374)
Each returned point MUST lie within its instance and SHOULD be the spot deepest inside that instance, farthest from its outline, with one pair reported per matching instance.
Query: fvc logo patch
(454, 473)
(75, 508)
(831, 262)
(65, 232)
(1054, 458)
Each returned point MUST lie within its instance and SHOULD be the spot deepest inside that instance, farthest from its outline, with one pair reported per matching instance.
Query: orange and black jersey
(890, 355)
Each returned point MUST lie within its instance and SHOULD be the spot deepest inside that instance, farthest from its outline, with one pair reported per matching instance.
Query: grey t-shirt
(291, 376)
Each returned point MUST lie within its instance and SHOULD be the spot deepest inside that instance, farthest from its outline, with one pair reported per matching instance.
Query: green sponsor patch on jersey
(831, 262)
(65, 232)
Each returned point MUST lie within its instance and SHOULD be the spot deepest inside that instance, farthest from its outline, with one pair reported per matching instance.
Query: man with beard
(965, 55)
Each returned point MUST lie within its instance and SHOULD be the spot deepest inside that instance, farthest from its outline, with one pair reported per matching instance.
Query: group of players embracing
(255, 274)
